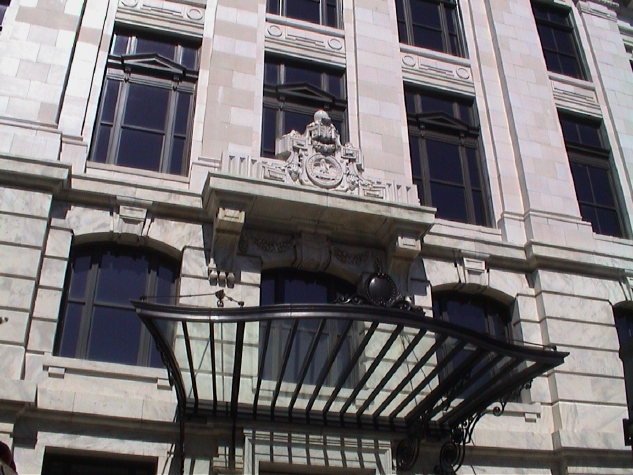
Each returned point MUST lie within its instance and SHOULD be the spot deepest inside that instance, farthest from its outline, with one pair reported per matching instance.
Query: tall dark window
(4, 4)
(479, 314)
(146, 107)
(589, 158)
(432, 24)
(624, 325)
(445, 161)
(66, 464)
(293, 92)
(98, 321)
(560, 47)
(293, 286)
(322, 12)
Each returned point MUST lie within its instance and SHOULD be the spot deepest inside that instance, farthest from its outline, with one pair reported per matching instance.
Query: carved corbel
(472, 268)
(130, 216)
(227, 229)
(405, 247)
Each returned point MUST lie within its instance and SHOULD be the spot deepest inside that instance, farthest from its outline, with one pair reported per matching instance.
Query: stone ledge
(17, 391)
(38, 174)
(58, 367)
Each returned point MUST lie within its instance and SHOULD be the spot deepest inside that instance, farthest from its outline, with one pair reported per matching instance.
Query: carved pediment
(154, 62)
(443, 120)
(305, 91)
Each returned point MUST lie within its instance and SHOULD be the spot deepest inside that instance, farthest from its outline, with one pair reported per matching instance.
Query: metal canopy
(388, 369)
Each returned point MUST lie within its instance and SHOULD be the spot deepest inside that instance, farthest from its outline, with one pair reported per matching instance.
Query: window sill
(455, 228)
(435, 55)
(136, 172)
(613, 239)
(572, 81)
(304, 25)
(58, 367)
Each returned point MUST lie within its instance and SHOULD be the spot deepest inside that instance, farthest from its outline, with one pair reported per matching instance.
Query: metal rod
(262, 365)
(282, 370)
(328, 366)
(350, 367)
(361, 384)
(306, 364)
(194, 385)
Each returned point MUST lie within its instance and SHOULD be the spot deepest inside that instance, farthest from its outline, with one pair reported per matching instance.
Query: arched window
(476, 313)
(624, 325)
(280, 286)
(97, 321)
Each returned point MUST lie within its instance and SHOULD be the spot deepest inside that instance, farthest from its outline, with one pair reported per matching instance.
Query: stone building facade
(199, 152)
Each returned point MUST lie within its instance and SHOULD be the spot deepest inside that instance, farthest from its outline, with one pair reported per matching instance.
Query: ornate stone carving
(355, 259)
(227, 228)
(266, 245)
(317, 158)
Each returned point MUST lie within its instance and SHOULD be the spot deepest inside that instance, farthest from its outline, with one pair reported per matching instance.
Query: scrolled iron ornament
(407, 453)
(451, 458)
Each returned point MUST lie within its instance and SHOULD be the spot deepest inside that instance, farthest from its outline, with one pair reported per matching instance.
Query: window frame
(301, 98)
(623, 318)
(4, 6)
(438, 126)
(596, 157)
(569, 29)
(151, 70)
(497, 326)
(277, 340)
(280, 7)
(146, 354)
(406, 23)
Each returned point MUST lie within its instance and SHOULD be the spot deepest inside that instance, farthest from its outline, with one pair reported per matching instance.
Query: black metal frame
(416, 406)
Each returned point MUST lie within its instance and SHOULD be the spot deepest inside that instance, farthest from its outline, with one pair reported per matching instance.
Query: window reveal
(293, 92)
(445, 162)
(146, 106)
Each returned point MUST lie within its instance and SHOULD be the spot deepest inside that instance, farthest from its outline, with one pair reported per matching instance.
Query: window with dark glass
(97, 321)
(4, 4)
(624, 325)
(146, 107)
(445, 157)
(322, 12)
(478, 314)
(589, 159)
(431, 24)
(70, 464)
(558, 40)
(293, 92)
(281, 286)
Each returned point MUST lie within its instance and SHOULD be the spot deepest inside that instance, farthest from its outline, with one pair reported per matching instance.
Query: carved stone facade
(321, 205)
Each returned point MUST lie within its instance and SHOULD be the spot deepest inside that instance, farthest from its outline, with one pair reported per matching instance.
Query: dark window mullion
(117, 128)
(83, 339)
(426, 172)
(468, 190)
(144, 347)
(165, 159)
